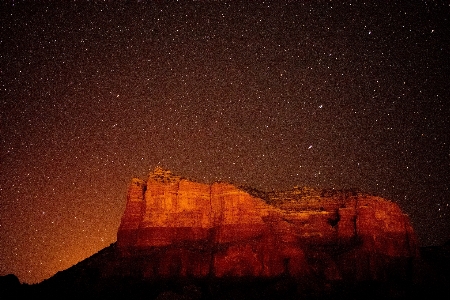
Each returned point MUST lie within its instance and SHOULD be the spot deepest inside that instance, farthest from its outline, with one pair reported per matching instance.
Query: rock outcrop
(191, 229)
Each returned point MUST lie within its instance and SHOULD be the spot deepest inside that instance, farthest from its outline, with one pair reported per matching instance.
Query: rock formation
(182, 228)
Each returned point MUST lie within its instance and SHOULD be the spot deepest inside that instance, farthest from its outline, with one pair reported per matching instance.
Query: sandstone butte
(182, 228)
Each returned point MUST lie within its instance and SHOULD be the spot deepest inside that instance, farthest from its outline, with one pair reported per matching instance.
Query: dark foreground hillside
(86, 280)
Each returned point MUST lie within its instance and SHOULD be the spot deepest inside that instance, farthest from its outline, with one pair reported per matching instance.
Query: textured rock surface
(192, 229)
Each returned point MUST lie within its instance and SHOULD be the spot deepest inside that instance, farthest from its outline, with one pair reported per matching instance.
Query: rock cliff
(191, 229)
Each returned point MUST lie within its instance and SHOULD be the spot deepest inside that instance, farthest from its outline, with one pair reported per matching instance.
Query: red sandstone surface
(185, 228)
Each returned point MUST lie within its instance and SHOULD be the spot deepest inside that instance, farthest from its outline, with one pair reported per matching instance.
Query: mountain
(181, 239)
(220, 230)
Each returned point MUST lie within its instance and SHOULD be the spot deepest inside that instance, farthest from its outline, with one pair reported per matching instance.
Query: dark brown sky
(272, 95)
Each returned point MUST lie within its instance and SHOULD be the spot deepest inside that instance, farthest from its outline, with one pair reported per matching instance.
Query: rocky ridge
(192, 229)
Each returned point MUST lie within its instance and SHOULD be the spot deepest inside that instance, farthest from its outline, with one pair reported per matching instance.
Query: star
(223, 92)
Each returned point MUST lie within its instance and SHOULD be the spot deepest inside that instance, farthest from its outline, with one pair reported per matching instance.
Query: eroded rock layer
(185, 228)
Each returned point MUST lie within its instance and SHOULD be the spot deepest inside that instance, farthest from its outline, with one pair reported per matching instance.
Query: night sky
(268, 95)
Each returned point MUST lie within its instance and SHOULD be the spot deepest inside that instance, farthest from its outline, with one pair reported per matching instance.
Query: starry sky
(328, 94)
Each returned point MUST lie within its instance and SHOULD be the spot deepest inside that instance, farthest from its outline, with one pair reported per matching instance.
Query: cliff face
(192, 229)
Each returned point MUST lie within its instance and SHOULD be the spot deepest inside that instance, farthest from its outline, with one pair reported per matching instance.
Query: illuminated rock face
(185, 228)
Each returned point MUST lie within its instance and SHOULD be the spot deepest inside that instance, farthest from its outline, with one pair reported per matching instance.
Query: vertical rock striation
(184, 228)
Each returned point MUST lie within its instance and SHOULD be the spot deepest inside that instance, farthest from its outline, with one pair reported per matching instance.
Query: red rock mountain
(191, 229)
